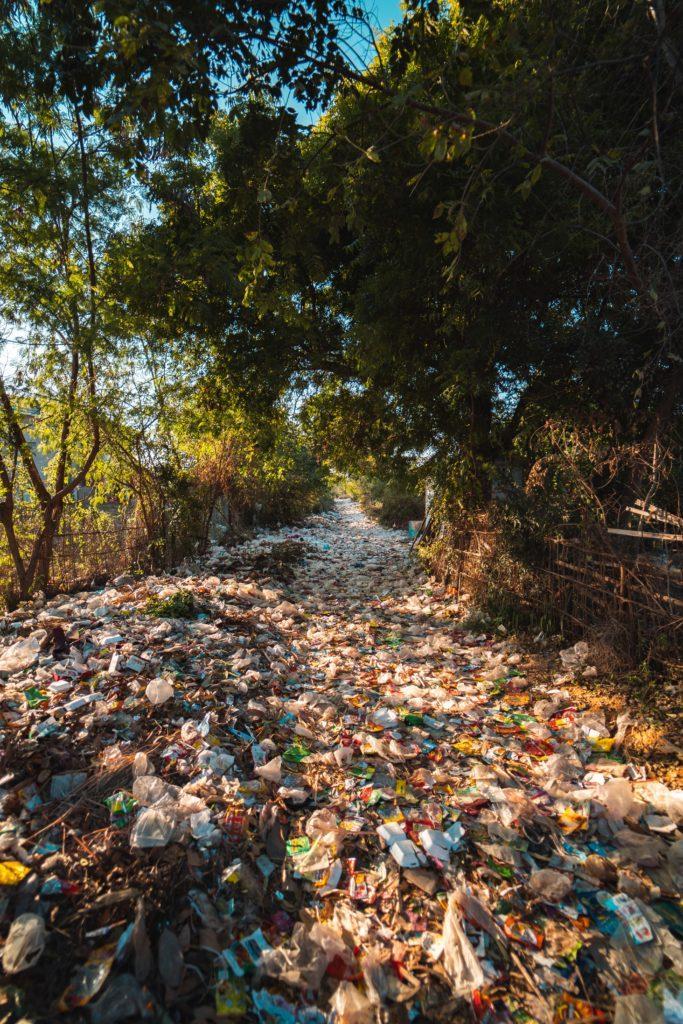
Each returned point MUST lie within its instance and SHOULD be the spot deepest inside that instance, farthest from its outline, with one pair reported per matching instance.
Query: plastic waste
(150, 789)
(171, 960)
(23, 653)
(152, 828)
(618, 799)
(271, 771)
(436, 844)
(342, 752)
(459, 958)
(552, 886)
(12, 872)
(63, 785)
(302, 961)
(406, 853)
(24, 944)
(351, 1006)
(142, 765)
(122, 1000)
(637, 1009)
(574, 658)
(158, 691)
(374, 977)
(88, 979)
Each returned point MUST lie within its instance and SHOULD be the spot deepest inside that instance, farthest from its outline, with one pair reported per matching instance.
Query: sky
(382, 13)
(387, 11)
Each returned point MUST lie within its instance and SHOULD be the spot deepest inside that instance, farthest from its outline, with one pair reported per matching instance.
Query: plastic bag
(88, 979)
(150, 789)
(63, 785)
(618, 799)
(23, 653)
(552, 886)
(459, 959)
(374, 977)
(216, 760)
(170, 959)
(158, 691)
(142, 765)
(636, 1009)
(152, 828)
(574, 658)
(474, 910)
(323, 825)
(271, 771)
(122, 1000)
(351, 1006)
(25, 943)
(302, 961)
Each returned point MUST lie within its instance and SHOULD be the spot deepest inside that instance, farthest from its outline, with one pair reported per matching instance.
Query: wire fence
(83, 557)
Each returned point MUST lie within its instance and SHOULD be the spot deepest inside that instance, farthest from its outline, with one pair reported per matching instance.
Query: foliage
(98, 98)
(392, 502)
(155, 73)
(180, 605)
(502, 190)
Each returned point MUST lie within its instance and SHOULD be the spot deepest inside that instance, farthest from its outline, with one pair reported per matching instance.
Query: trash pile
(282, 792)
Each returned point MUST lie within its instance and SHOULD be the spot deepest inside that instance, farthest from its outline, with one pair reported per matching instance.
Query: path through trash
(285, 784)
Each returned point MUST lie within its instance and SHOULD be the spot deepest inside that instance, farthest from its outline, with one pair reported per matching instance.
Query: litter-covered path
(285, 784)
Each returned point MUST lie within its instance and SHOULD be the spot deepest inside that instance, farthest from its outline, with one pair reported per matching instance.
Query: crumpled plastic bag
(323, 825)
(618, 799)
(646, 851)
(636, 1009)
(552, 886)
(271, 771)
(24, 944)
(476, 911)
(158, 691)
(302, 961)
(459, 959)
(152, 828)
(122, 1000)
(574, 658)
(376, 982)
(351, 1006)
(170, 959)
(23, 653)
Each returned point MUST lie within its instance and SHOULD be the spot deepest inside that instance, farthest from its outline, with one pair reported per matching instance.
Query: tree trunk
(37, 575)
(481, 449)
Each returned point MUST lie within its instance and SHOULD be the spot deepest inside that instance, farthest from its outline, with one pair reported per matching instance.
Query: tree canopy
(473, 252)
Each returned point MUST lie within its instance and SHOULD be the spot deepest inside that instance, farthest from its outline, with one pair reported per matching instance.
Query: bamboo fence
(628, 580)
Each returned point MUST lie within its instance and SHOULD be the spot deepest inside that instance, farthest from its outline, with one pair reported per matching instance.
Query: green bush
(391, 502)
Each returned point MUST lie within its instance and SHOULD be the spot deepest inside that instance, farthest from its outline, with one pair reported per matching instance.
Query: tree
(60, 199)
(478, 179)
(589, 96)
(91, 93)
(158, 70)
